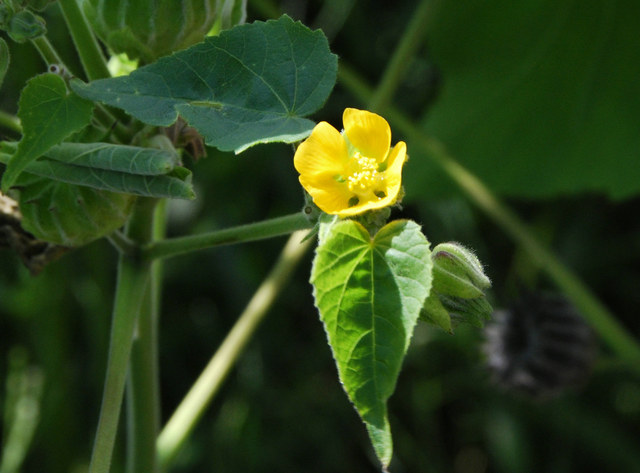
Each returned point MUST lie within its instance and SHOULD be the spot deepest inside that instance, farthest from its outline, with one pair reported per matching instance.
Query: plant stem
(133, 277)
(202, 392)
(93, 61)
(243, 233)
(47, 51)
(401, 59)
(143, 392)
(603, 321)
(10, 122)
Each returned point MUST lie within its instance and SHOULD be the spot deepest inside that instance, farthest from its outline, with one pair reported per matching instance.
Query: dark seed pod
(539, 346)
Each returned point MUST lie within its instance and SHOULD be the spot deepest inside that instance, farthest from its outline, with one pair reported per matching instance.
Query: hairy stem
(243, 233)
(190, 410)
(600, 318)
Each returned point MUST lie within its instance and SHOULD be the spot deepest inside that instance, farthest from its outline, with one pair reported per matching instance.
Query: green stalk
(133, 278)
(402, 56)
(47, 51)
(600, 318)
(143, 392)
(91, 57)
(192, 407)
(10, 122)
(243, 233)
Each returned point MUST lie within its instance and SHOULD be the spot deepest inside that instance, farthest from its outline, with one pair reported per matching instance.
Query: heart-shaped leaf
(369, 291)
(251, 84)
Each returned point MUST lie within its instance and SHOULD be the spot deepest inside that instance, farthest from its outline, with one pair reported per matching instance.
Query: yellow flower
(354, 171)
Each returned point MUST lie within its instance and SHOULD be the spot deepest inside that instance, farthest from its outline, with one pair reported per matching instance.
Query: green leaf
(127, 159)
(252, 84)
(4, 59)
(176, 184)
(369, 292)
(539, 97)
(69, 215)
(48, 113)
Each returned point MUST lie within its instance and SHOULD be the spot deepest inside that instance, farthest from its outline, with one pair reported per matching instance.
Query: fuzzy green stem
(243, 233)
(602, 321)
(91, 57)
(190, 410)
(133, 278)
(10, 122)
(402, 57)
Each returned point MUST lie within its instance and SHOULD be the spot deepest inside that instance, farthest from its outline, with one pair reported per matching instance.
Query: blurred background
(538, 98)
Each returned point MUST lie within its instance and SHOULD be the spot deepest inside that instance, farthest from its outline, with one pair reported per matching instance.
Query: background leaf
(539, 97)
(49, 113)
(252, 84)
(369, 292)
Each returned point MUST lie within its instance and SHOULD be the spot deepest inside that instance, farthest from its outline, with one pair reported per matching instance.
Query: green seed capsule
(457, 272)
(149, 29)
(25, 25)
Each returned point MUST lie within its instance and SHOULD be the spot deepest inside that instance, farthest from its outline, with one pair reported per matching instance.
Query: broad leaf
(48, 113)
(252, 84)
(539, 97)
(369, 292)
(4, 59)
(69, 215)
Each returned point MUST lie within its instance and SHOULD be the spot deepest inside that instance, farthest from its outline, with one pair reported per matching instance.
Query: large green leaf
(252, 84)
(538, 97)
(48, 113)
(369, 292)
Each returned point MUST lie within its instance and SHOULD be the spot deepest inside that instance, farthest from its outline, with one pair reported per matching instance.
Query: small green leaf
(4, 59)
(127, 159)
(369, 292)
(48, 113)
(251, 84)
(69, 215)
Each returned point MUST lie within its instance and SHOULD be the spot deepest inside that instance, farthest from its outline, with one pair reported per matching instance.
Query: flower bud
(5, 15)
(457, 291)
(457, 272)
(25, 25)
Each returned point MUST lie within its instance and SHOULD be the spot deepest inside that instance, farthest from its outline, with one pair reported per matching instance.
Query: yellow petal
(323, 153)
(368, 132)
(330, 196)
(393, 174)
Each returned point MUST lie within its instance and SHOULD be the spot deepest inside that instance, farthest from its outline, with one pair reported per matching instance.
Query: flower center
(365, 178)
